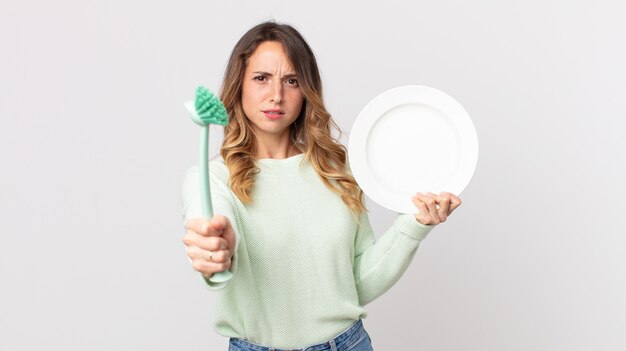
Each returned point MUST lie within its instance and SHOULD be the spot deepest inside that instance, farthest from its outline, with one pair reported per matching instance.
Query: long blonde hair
(311, 131)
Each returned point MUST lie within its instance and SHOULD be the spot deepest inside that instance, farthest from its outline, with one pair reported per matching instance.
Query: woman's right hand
(210, 244)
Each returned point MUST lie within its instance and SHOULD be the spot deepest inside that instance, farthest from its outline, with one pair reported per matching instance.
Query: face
(271, 96)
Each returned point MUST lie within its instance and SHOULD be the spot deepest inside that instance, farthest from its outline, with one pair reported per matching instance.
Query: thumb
(216, 226)
(229, 236)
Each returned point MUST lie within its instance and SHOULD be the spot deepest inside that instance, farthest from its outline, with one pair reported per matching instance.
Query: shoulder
(217, 169)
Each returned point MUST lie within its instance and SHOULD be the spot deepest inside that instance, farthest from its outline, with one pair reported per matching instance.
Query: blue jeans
(353, 339)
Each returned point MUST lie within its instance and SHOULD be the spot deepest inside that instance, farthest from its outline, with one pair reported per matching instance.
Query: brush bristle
(209, 107)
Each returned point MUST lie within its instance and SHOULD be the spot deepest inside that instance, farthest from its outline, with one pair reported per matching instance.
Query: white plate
(412, 139)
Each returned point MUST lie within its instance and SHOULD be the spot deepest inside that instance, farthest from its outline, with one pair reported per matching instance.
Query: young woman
(290, 220)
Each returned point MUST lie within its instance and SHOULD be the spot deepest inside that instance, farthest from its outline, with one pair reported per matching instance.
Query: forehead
(269, 55)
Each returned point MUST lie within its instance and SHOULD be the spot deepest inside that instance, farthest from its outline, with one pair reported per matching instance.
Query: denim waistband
(334, 344)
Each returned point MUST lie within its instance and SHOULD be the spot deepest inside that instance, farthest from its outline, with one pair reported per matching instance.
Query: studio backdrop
(95, 140)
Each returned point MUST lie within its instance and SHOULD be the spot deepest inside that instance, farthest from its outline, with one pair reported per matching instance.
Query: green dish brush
(205, 110)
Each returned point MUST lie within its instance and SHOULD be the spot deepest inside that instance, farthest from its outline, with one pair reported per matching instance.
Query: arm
(378, 265)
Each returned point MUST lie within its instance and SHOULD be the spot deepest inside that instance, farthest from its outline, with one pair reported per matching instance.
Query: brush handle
(205, 194)
(205, 190)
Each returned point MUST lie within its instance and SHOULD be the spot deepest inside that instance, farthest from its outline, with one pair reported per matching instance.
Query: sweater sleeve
(220, 199)
(378, 265)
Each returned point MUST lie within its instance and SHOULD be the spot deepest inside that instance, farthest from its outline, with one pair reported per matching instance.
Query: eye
(292, 81)
(260, 78)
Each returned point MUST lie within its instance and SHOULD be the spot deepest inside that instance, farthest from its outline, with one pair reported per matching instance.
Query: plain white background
(94, 142)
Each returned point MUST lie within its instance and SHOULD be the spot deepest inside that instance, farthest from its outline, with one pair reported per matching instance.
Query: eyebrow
(288, 75)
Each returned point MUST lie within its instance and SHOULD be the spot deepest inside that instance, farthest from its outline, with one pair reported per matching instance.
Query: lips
(273, 113)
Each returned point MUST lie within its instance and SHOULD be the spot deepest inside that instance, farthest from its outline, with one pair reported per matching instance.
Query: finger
(455, 201)
(444, 205)
(431, 204)
(220, 256)
(225, 230)
(421, 206)
(211, 243)
(423, 216)
(436, 197)
(203, 226)
(230, 236)
(217, 225)
(197, 225)
(223, 221)
(190, 238)
(210, 267)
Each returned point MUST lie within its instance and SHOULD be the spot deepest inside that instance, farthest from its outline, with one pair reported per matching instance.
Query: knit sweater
(303, 267)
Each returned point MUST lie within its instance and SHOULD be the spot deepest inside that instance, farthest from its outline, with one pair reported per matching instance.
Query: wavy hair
(311, 131)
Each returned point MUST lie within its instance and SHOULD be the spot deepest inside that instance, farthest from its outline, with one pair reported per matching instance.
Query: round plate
(412, 139)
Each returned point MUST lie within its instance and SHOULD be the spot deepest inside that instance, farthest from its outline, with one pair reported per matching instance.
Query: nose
(277, 92)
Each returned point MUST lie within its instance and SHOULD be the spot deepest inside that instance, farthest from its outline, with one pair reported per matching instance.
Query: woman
(290, 220)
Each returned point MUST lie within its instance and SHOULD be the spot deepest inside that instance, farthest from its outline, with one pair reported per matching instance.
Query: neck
(276, 148)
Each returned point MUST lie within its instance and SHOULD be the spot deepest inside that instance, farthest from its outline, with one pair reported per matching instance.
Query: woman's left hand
(435, 209)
